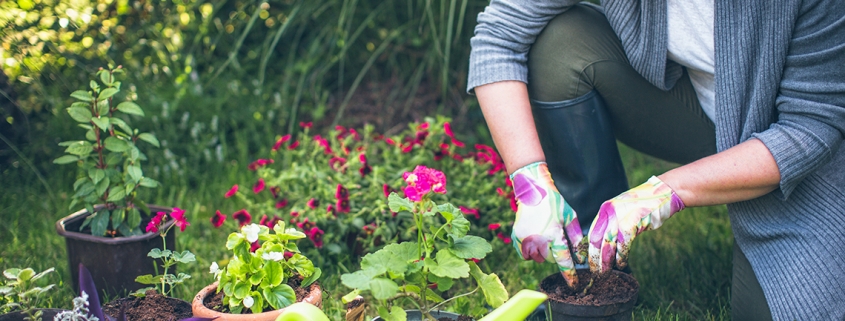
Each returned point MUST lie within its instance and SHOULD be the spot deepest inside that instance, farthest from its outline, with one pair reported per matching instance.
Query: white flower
(251, 232)
(214, 268)
(273, 256)
(248, 301)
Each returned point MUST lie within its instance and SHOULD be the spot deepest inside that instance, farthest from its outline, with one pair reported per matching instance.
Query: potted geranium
(21, 293)
(106, 235)
(265, 274)
(416, 274)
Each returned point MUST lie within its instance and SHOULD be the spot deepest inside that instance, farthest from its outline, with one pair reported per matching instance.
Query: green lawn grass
(683, 268)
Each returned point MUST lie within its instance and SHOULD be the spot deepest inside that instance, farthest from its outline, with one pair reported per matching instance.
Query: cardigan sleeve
(810, 105)
(504, 34)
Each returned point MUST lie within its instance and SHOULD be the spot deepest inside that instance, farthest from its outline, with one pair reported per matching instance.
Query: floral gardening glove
(622, 218)
(544, 221)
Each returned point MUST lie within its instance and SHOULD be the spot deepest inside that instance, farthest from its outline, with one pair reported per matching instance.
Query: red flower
(306, 125)
(263, 221)
(275, 190)
(316, 236)
(508, 181)
(420, 137)
(254, 246)
(423, 180)
(293, 145)
(313, 203)
(473, 211)
(355, 134)
(423, 126)
(155, 223)
(273, 221)
(342, 205)
(282, 203)
(243, 217)
(178, 214)
(341, 193)
(294, 213)
(494, 226)
(369, 229)
(305, 225)
(364, 170)
(259, 163)
(389, 141)
(218, 219)
(280, 142)
(448, 129)
(259, 186)
(408, 149)
(386, 189)
(324, 143)
(232, 191)
(337, 163)
(504, 238)
(330, 210)
(475, 260)
(513, 202)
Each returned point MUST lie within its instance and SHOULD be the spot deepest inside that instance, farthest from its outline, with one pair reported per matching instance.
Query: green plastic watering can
(517, 308)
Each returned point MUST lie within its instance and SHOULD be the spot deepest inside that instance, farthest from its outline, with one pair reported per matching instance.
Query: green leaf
(492, 287)
(116, 193)
(96, 174)
(5, 290)
(102, 186)
(241, 289)
(85, 189)
(42, 274)
(233, 240)
(117, 216)
(184, 257)
(130, 108)
(81, 149)
(449, 211)
(383, 288)
(102, 122)
(106, 78)
(274, 272)
(149, 138)
(280, 296)
(148, 182)
(134, 218)
(148, 279)
(360, 279)
(396, 313)
(99, 224)
(12, 273)
(470, 247)
(82, 95)
(443, 284)
(155, 253)
(459, 226)
(116, 144)
(103, 107)
(114, 159)
(66, 159)
(312, 278)
(122, 125)
(135, 172)
(26, 274)
(106, 93)
(256, 277)
(302, 265)
(393, 257)
(345, 299)
(448, 265)
(398, 204)
(80, 114)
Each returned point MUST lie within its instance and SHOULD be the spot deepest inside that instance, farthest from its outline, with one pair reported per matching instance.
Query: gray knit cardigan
(780, 78)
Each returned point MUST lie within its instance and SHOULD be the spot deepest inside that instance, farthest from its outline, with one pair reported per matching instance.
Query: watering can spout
(518, 307)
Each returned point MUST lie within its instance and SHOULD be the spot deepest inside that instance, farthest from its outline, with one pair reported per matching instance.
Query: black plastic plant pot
(416, 315)
(613, 311)
(46, 314)
(114, 262)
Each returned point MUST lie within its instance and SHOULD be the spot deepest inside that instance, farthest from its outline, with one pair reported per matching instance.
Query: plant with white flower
(79, 312)
(264, 261)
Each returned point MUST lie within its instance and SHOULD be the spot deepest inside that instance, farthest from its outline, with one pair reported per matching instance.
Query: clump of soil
(152, 307)
(215, 302)
(607, 288)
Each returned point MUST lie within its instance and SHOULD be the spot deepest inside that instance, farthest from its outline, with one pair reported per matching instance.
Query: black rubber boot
(581, 153)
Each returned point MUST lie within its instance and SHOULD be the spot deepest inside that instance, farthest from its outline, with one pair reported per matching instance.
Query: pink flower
(355, 134)
(472, 211)
(337, 163)
(386, 189)
(494, 226)
(423, 180)
(306, 125)
(263, 221)
(316, 236)
(275, 190)
(342, 193)
(178, 214)
(423, 126)
(413, 194)
(305, 225)
(342, 205)
(448, 129)
(281, 141)
(243, 217)
(259, 163)
(259, 186)
(504, 238)
(475, 260)
(324, 143)
(330, 210)
(389, 141)
(282, 203)
(232, 191)
(313, 203)
(155, 223)
(294, 213)
(254, 246)
(293, 145)
(288, 255)
(218, 219)
(364, 170)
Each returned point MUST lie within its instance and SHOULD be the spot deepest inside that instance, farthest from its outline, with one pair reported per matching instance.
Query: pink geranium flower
(218, 219)
(494, 226)
(293, 145)
(232, 191)
(259, 186)
(386, 189)
(306, 125)
(447, 127)
(281, 141)
(259, 163)
(313, 203)
(242, 216)
(423, 180)
(470, 211)
(504, 238)
(178, 214)
(155, 223)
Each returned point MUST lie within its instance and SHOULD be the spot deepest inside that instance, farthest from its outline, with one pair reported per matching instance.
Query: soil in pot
(215, 302)
(607, 288)
(151, 307)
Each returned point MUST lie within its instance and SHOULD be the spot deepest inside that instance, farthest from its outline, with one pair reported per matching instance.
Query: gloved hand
(544, 221)
(622, 218)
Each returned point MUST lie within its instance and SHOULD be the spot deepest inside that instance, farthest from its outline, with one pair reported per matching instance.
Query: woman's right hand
(546, 227)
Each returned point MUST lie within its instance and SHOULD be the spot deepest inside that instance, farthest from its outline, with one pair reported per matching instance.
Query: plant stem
(589, 285)
(164, 275)
(454, 297)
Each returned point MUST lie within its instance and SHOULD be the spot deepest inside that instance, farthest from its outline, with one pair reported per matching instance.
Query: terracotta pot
(114, 262)
(46, 314)
(415, 315)
(315, 297)
(620, 311)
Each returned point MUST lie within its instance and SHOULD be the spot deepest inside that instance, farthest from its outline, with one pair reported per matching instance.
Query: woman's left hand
(622, 218)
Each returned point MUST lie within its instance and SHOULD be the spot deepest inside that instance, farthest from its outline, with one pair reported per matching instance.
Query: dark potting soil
(215, 302)
(152, 307)
(607, 288)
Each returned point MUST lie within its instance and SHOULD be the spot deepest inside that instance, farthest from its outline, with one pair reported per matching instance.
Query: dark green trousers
(578, 53)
